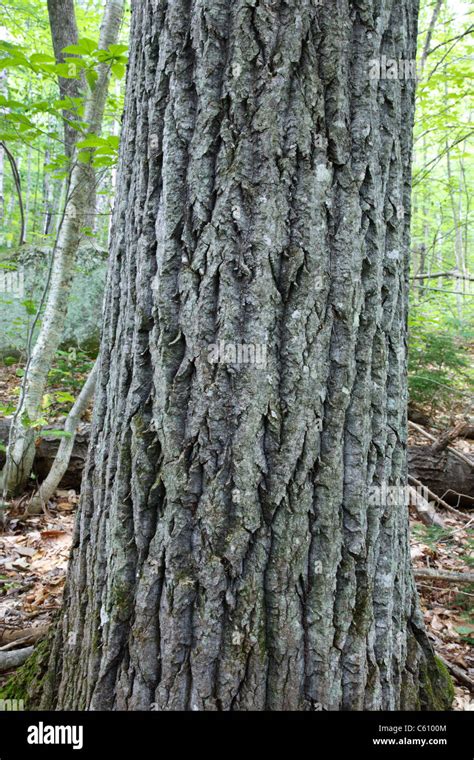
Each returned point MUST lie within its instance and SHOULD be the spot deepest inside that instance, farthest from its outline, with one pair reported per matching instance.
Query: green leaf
(30, 306)
(84, 46)
(94, 141)
(118, 70)
(42, 58)
(91, 77)
(118, 49)
(64, 397)
(69, 70)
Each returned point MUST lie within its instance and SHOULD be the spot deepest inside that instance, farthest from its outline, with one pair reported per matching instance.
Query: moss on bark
(28, 681)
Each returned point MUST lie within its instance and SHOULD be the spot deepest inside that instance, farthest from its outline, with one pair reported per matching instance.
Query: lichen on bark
(226, 554)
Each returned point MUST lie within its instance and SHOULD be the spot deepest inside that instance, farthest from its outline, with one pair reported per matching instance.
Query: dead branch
(9, 639)
(425, 511)
(438, 499)
(428, 573)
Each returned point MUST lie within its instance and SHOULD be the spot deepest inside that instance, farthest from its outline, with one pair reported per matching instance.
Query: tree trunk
(443, 474)
(20, 454)
(252, 379)
(63, 25)
(62, 459)
(62, 22)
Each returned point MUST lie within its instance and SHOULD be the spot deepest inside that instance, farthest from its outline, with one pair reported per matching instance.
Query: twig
(438, 499)
(453, 274)
(424, 509)
(427, 573)
(443, 590)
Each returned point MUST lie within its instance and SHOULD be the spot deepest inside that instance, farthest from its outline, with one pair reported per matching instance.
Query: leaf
(42, 58)
(30, 306)
(91, 77)
(69, 70)
(118, 70)
(84, 46)
(56, 434)
(94, 141)
(118, 49)
(53, 533)
(64, 397)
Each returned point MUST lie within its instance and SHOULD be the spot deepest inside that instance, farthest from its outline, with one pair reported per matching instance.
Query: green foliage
(442, 309)
(32, 114)
(440, 367)
(431, 535)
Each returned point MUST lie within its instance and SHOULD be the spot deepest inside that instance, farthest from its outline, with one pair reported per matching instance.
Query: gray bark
(226, 554)
(62, 21)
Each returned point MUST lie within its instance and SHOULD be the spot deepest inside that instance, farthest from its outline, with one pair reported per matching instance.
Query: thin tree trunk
(63, 456)
(21, 448)
(227, 553)
(62, 22)
(429, 34)
(64, 32)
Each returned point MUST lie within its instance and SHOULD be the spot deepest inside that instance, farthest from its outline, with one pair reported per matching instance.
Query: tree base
(33, 683)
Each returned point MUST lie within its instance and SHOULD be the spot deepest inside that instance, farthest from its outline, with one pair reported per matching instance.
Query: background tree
(229, 553)
(442, 297)
(21, 450)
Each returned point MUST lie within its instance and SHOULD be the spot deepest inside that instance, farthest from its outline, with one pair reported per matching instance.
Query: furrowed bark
(227, 553)
(20, 454)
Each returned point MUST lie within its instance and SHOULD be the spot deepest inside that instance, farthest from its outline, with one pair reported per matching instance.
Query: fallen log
(436, 448)
(46, 450)
(444, 474)
(10, 660)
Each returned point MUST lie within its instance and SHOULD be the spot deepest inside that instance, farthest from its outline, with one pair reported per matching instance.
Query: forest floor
(34, 555)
